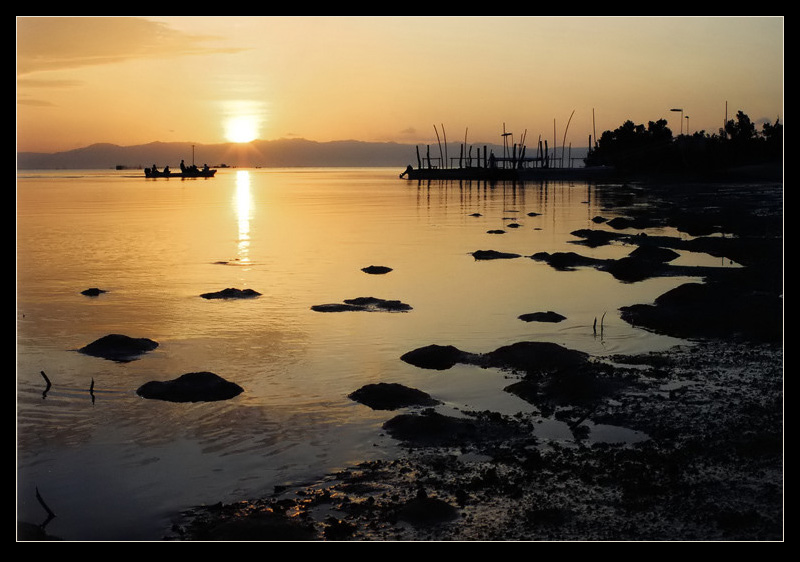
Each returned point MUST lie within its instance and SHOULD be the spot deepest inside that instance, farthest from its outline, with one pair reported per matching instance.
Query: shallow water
(113, 466)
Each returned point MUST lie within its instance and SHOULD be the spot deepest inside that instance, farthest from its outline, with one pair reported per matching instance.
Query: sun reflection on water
(243, 203)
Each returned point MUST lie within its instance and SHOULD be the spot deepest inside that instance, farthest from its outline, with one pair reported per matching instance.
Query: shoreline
(711, 468)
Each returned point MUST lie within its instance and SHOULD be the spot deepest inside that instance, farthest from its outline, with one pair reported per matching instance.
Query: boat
(187, 173)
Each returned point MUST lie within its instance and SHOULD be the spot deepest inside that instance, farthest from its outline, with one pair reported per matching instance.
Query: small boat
(187, 173)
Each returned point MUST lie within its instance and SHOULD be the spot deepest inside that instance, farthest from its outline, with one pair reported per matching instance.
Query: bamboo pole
(444, 134)
(564, 141)
(441, 154)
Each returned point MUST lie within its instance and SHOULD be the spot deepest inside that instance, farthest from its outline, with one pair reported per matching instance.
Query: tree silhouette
(653, 149)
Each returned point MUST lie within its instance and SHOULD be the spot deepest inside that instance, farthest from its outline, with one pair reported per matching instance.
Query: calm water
(118, 467)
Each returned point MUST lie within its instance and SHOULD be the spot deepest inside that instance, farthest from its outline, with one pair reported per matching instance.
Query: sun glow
(242, 120)
(241, 129)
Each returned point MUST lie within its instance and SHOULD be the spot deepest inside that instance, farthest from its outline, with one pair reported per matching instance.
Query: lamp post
(687, 125)
(681, 110)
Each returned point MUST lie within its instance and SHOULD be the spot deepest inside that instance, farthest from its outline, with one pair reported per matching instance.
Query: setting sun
(241, 129)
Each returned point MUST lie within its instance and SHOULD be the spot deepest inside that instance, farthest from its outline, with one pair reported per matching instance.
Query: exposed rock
(548, 316)
(621, 223)
(655, 254)
(566, 261)
(391, 396)
(439, 357)
(596, 238)
(493, 255)
(631, 269)
(366, 304)
(336, 307)
(528, 357)
(191, 387)
(376, 269)
(423, 510)
(93, 292)
(232, 293)
(535, 357)
(430, 428)
(711, 310)
(117, 347)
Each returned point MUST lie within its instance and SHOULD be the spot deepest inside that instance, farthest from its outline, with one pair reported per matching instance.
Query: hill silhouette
(260, 153)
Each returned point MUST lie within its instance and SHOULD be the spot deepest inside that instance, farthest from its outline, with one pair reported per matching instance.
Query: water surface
(113, 466)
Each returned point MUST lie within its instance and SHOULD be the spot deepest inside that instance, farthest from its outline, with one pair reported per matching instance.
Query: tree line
(654, 149)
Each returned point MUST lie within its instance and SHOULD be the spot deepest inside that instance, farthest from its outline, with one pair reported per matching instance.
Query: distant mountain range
(259, 153)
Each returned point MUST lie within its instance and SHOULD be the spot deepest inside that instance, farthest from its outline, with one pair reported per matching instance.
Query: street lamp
(687, 125)
(681, 110)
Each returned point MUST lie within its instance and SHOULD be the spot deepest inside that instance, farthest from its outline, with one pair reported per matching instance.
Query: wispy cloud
(59, 43)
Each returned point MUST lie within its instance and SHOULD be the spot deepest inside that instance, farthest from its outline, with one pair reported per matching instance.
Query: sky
(207, 80)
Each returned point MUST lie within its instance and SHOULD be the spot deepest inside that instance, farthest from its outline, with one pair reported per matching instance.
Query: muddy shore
(710, 469)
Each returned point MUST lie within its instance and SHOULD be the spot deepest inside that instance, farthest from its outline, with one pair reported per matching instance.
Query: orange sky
(128, 81)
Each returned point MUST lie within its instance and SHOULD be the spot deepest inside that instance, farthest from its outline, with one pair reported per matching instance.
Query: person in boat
(205, 168)
(154, 170)
(166, 171)
(183, 167)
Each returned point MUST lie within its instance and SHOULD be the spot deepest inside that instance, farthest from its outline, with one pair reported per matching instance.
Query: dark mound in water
(431, 428)
(366, 304)
(535, 357)
(439, 357)
(423, 510)
(493, 255)
(191, 387)
(93, 292)
(528, 357)
(712, 310)
(376, 269)
(548, 316)
(565, 261)
(117, 347)
(391, 396)
(654, 253)
(232, 293)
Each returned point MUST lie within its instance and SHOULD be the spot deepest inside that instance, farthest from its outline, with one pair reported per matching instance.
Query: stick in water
(47, 388)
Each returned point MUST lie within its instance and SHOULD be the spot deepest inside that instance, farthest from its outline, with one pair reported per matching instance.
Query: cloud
(59, 43)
